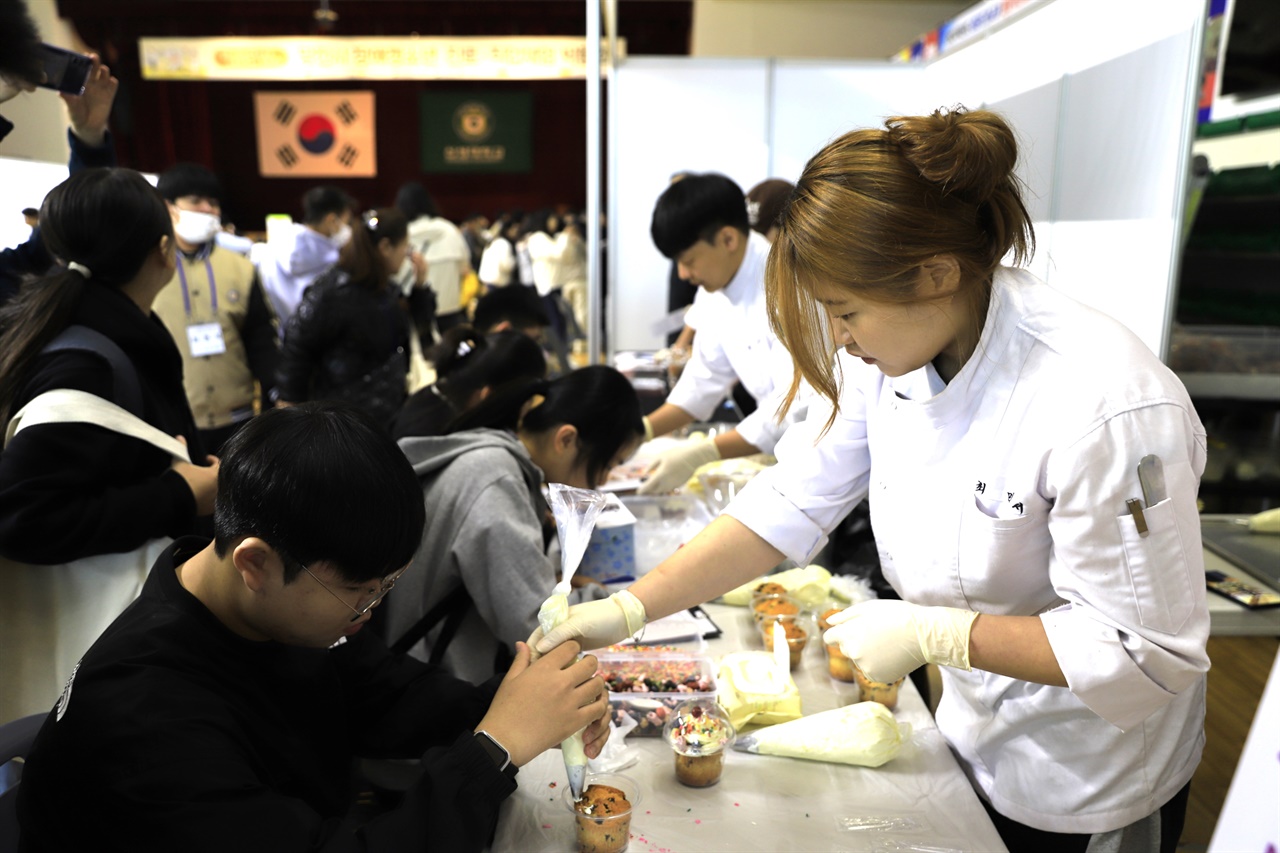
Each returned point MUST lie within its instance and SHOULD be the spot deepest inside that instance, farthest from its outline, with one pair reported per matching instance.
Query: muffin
(886, 693)
(603, 820)
(823, 624)
(797, 636)
(699, 732)
(775, 605)
(769, 588)
(839, 666)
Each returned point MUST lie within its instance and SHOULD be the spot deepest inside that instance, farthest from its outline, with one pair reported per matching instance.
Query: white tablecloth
(768, 803)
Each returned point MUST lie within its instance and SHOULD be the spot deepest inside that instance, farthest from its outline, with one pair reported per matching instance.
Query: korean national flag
(316, 134)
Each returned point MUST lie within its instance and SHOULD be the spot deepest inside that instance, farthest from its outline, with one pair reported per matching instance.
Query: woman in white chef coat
(997, 426)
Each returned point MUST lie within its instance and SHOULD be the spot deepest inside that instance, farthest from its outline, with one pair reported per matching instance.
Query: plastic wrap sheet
(915, 802)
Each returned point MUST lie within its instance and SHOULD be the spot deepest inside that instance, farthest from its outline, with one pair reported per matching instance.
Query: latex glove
(677, 465)
(648, 428)
(594, 624)
(887, 639)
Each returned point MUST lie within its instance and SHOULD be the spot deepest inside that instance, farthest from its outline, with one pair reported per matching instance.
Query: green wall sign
(477, 132)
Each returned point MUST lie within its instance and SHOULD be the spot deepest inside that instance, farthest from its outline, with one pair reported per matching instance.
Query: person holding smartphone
(21, 70)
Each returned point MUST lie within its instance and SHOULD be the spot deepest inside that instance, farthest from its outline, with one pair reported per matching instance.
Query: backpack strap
(66, 405)
(452, 608)
(126, 390)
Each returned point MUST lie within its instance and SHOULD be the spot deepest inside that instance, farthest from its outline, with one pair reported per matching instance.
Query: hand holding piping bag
(575, 511)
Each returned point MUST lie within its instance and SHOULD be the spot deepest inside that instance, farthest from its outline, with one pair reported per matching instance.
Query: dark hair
(360, 258)
(467, 360)
(319, 202)
(107, 220)
(513, 228)
(597, 400)
(516, 304)
(694, 209)
(320, 481)
(19, 42)
(874, 206)
(765, 201)
(537, 221)
(30, 211)
(415, 202)
(182, 179)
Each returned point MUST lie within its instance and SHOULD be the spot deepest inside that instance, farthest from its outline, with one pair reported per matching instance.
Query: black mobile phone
(64, 70)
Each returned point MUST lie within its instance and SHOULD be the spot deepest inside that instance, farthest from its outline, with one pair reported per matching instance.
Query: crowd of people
(221, 456)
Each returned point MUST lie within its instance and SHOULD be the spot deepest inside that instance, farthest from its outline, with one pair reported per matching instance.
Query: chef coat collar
(750, 274)
(925, 388)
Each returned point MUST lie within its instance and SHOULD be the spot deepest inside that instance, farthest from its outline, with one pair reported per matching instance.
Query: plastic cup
(606, 828)
(699, 732)
(699, 771)
(797, 635)
(839, 666)
(886, 693)
(767, 606)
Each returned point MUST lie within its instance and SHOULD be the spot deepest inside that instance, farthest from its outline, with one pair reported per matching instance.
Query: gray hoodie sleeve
(499, 556)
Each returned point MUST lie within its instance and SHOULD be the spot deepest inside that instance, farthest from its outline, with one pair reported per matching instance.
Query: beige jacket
(219, 387)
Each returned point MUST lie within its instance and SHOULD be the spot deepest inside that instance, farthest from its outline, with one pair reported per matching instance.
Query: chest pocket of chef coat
(1163, 590)
(1003, 562)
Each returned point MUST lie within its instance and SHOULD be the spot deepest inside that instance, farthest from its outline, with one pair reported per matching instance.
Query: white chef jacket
(734, 343)
(1004, 493)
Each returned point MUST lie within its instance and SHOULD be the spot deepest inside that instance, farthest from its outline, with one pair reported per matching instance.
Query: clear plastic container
(665, 680)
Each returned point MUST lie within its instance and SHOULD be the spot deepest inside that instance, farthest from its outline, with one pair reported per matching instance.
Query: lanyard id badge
(205, 339)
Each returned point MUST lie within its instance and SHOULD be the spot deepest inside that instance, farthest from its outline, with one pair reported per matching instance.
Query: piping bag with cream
(576, 511)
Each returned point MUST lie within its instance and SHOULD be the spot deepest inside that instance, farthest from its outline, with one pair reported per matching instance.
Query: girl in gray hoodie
(483, 565)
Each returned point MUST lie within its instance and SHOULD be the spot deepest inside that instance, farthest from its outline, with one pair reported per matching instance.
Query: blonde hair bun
(969, 154)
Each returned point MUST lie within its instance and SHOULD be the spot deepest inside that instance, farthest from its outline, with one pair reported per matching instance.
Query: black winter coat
(72, 490)
(346, 343)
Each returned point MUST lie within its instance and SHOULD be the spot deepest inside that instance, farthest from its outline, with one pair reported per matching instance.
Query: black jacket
(346, 343)
(75, 490)
(179, 735)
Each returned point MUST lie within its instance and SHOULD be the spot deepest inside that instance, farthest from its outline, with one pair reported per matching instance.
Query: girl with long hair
(469, 366)
(73, 489)
(349, 338)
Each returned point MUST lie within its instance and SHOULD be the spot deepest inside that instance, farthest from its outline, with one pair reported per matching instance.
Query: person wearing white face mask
(297, 258)
(215, 309)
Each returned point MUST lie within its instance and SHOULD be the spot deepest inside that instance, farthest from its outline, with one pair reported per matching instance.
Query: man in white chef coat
(701, 224)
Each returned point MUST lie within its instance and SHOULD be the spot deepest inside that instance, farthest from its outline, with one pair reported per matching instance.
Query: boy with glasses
(224, 708)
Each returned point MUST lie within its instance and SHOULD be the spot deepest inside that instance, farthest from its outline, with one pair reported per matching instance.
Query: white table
(768, 803)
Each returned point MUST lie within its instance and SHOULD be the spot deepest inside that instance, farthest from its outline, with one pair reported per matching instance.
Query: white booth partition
(815, 102)
(1101, 94)
(673, 115)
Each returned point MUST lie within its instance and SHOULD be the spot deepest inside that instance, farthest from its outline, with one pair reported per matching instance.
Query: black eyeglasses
(362, 608)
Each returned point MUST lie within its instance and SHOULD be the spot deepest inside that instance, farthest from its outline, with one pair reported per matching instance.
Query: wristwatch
(497, 752)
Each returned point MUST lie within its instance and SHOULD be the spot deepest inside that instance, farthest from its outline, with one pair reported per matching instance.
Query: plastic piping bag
(575, 511)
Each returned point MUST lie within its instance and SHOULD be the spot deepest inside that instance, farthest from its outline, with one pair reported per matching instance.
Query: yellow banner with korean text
(367, 58)
(316, 134)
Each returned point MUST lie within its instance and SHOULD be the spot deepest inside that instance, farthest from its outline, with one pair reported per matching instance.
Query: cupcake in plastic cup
(886, 693)
(699, 732)
(796, 634)
(825, 616)
(602, 818)
(774, 604)
(839, 666)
